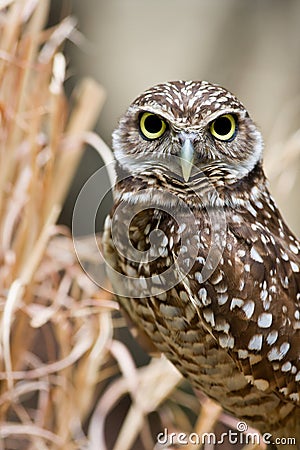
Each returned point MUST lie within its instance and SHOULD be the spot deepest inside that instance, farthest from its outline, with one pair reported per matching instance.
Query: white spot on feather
(203, 296)
(226, 341)
(236, 219)
(286, 367)
(241, 284)
(209, 316)
(276, 354)
(222, 299)
(284, 255)
(255, 342)
(294, 266)
(248, 308)
(294, 249)
(261, 384)
(217, 279)
(236, 302)
(198, 277)
(222, 325)
(255, 255)
(181, 228)
(251, 210)
(243, 354)
(295, 397)
(265, 320)
(263, 294)
(272, 337)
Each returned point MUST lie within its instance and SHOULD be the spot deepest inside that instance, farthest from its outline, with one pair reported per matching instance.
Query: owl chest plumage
(217, 331)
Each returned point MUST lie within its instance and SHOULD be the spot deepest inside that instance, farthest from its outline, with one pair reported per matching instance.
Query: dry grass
(55, 324)
(57, 349)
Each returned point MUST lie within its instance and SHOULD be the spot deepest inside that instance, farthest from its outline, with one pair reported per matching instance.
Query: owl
(199, 255)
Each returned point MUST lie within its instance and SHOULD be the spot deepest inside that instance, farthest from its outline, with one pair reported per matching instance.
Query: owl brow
(158, 111)
(237, 112)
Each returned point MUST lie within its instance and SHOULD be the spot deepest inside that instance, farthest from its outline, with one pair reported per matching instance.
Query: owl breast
(201, 325)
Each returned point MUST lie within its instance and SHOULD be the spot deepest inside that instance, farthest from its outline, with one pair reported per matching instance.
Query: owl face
(188, 127)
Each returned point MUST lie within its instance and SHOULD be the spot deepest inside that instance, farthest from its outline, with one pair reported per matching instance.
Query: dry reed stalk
(55, 325)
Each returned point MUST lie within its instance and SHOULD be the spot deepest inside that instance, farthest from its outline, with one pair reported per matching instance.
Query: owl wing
(112, 262)
(260, 301)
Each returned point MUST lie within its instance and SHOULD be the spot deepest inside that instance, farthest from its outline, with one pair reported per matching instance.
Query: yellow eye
(152, 126)
(224, 127)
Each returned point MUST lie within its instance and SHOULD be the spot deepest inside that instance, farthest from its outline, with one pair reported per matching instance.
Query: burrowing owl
(200, 257)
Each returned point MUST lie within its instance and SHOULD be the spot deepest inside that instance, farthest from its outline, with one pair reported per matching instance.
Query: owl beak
(187, 159)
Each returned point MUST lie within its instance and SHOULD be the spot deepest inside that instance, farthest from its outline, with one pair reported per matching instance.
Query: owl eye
(152, 126)
(224, 127)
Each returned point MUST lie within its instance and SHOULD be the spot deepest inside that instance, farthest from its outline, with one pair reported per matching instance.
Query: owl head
(187, 127)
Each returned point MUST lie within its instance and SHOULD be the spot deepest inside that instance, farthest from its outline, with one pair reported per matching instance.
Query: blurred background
(251, 48)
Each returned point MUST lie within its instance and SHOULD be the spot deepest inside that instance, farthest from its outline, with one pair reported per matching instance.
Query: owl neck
(253, 187)
(208, 190)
